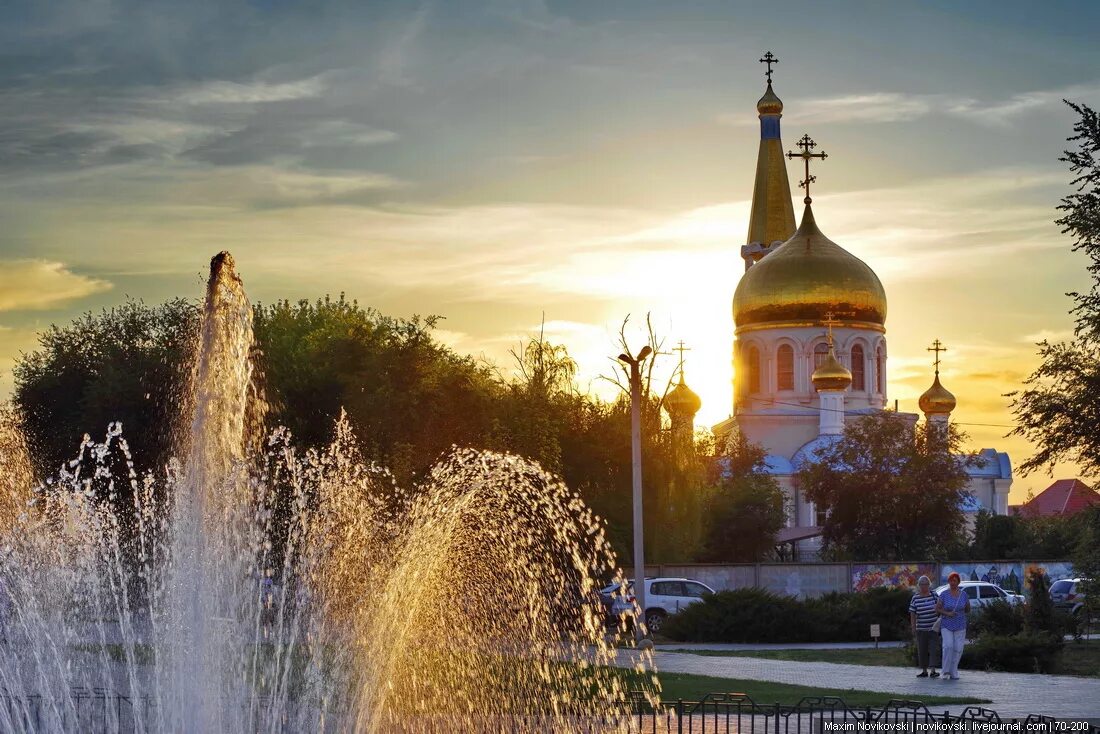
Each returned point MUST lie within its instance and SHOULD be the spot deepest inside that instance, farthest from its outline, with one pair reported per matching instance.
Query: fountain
(252, 586)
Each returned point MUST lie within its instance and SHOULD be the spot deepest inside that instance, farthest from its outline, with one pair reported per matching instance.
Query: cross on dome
(806, 143)
(830, 321)
(681, 349)
(937, 347)
(769, 59)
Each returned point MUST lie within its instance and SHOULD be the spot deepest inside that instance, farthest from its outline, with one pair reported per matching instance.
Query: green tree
(408, 398)
(1059, 409)
(129, 363)
(891, 490)
(1086, 556)
(744, 509)
(998, 536)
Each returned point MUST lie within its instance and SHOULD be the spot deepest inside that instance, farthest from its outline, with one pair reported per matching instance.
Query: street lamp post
(635, 364)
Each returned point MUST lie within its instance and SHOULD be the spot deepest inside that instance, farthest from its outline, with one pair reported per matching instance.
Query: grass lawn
(1078, 658)
(693, 687)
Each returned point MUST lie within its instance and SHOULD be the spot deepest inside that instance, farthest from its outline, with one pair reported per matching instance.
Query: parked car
(1068, 596)
(663, 596)
(983, 593)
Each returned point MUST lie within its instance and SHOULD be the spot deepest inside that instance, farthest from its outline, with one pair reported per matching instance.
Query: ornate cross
(681, 349)
(807, 144)
(830, 321)
(937, 347)
(769, 59)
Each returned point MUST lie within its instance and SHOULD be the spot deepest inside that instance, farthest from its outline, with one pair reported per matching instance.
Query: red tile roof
(1064, 497)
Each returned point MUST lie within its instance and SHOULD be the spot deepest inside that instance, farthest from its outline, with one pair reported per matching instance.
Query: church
(810, 348)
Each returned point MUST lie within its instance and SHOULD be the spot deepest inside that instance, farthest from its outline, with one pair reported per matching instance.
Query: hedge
(756, 615)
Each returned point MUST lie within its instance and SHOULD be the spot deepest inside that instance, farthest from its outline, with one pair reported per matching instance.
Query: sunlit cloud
(41, 284)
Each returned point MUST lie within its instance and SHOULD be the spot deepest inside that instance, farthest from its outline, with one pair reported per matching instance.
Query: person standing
(953, 606)
(922, 620)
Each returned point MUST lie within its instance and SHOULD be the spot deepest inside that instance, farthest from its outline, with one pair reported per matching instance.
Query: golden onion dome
(769, 104)
(831, 375)
(937, 400)
(682, 400)
(805, 278)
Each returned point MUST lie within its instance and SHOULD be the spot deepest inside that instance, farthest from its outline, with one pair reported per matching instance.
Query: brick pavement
(1012, 694)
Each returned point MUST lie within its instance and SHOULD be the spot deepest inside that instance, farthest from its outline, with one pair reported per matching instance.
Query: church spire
(772, 218)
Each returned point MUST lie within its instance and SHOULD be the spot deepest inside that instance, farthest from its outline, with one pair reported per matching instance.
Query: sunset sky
(500, 162)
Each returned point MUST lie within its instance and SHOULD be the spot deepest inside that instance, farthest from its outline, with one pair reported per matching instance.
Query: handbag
(936, 624)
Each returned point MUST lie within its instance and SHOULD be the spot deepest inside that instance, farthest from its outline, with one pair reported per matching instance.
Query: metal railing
(736, 713)
(96, 710)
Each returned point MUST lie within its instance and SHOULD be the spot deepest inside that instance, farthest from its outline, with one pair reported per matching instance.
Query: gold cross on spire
(769, 59)
(937, 347)
(830, 321)
(807, 144)
(681, 349)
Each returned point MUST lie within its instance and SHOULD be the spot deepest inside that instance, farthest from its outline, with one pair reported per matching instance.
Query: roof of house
(1064, 497)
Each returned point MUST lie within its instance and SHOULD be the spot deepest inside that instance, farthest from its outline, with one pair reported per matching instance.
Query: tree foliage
(127, 364)
(891, 490)
(409, 400)
(1059, 409)
(743, 507)
(1017, 536)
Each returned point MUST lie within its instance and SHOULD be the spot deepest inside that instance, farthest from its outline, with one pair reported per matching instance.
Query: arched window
(880, 371)
(821, 351)
(859, 377)
(752, 368)
(785, 367)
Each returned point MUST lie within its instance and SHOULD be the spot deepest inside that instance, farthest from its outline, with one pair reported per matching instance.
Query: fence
(100, 711)
(730, 713)
(814, 579)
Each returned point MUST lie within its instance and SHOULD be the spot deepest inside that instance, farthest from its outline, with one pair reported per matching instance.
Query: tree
(891, 490)
(744, 509)
(408, 398)
(1086, 556)
(1059, 409)
(129, 364)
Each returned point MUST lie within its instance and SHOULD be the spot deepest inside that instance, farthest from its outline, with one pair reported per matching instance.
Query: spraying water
(255, 587)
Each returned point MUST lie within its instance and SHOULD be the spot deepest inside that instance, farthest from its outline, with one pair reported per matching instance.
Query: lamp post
(635, 364)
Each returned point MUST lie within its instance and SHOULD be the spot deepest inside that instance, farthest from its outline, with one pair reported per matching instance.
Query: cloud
(42, 284)
(876, 107)
(1048, 335)
(255, 92)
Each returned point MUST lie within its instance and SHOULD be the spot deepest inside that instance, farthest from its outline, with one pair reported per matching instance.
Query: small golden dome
(937, 400)
(769, 104)
(682, 400)
(831, 375)
(807, 277)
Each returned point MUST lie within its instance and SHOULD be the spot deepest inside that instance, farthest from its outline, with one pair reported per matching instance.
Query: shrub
(999, 618)
(1027, 652)
(744, 615)
(755, 615)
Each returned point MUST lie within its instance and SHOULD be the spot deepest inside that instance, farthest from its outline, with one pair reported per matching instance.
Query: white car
(663, 596)
(983, 593)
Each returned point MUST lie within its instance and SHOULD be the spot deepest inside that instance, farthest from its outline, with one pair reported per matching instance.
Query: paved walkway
(739, 646)
(1013, 694)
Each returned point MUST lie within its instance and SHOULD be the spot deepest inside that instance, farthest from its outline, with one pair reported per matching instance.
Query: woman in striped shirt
(922, 618)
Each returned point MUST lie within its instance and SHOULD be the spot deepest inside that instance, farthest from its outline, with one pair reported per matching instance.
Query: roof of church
(1064, 497)
(772, 215)
(811, 451)
(994, 465)
(805, 278)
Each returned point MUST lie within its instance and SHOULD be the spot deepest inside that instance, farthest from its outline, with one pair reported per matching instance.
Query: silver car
(983, 593)
(1068, 596)
(663, 596)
